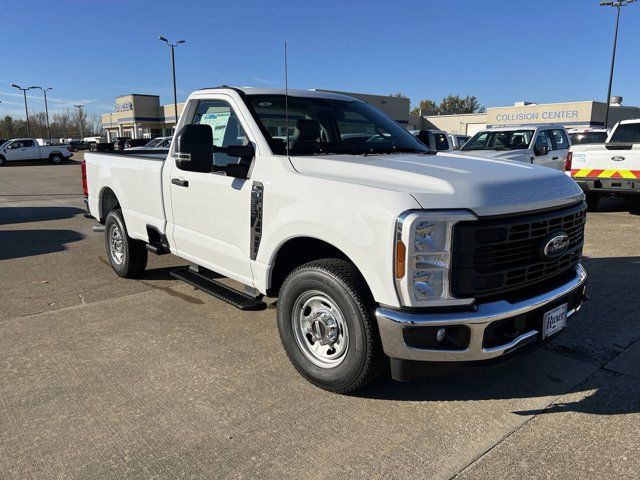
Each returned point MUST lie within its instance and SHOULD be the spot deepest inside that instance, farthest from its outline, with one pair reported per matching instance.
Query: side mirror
(243, 152)
(194, 148)
(540, 150)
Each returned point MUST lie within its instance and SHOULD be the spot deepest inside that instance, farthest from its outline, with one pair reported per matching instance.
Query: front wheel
(327, 326)
(2, 161)
(55, 159)
(128, 257)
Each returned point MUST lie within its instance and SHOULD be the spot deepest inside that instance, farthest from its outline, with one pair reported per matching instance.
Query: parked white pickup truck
(546, 145)
(610, 168)
(375, 248)
(19, 149)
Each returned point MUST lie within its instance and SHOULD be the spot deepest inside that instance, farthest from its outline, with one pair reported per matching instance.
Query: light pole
(46, 108)
(618, 4)
(26, 110)
(173, 68)
(79, 107)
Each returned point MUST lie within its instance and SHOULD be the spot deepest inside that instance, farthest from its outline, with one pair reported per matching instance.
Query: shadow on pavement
(13, 215)
(27, 243)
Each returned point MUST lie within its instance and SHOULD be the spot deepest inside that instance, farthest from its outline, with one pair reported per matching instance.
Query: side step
(219, 290)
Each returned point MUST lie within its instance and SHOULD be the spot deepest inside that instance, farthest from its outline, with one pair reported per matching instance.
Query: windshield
(627, 133)
(500, 140)
(584, 138)
(320, 126)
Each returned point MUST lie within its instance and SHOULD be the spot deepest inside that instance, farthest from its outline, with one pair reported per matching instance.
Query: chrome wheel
(320, 330)
(56, 159)
(116, 247)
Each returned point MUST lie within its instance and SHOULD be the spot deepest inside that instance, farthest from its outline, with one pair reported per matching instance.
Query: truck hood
(450, 181)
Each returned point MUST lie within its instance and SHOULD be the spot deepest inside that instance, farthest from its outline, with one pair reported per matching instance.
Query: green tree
(426, 107)
(452, 104)
(7, 127)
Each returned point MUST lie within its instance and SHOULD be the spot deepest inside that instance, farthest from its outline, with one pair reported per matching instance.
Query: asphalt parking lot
(102, 377)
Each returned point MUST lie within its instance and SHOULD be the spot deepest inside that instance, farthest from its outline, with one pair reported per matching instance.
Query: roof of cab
(313, 93)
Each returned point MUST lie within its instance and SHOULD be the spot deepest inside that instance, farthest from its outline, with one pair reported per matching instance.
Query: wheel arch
(108, 201)
(297, 251)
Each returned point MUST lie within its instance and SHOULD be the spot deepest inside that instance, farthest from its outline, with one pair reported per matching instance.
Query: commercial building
(569, 114)
(141, 116)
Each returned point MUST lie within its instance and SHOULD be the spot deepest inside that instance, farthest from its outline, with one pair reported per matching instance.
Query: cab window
(544, 139)
(560, 139)
(225, 127)
(441, 141)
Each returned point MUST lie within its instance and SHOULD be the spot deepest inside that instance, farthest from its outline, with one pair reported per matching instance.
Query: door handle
(180, 183)
(555, 158)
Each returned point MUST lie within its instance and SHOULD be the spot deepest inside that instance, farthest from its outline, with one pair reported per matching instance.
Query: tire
(128, 257)
(592, 201)
(2, 161)
(327, 326)
(56, 159)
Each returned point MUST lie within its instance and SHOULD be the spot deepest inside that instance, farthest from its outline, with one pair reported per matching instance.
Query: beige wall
(465, 124)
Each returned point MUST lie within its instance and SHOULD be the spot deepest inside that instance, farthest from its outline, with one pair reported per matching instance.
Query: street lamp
(79, 107)
(26, 110)
(173, 68)
(618, 4)
(46, 108)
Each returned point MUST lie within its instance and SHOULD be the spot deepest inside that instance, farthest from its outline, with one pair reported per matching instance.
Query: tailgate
(606, 161)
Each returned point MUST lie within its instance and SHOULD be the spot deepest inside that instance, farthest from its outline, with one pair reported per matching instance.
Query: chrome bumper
(392, 322)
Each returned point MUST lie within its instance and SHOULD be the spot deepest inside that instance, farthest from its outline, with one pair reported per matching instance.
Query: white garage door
(473, 128)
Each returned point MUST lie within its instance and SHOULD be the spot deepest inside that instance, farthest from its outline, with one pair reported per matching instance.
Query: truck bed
(135, 178)
(612, 160)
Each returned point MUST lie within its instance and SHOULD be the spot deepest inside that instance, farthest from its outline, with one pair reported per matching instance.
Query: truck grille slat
(491, 256)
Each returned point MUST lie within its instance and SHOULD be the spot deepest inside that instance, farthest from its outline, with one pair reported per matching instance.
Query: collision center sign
(572, 113)
(545, 116)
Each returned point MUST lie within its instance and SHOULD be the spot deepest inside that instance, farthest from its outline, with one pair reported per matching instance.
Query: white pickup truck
(546, 145)
(19, 149)
(377, 250)
(610, 168)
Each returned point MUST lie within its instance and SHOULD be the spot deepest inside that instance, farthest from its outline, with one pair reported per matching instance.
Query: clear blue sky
(501, 51)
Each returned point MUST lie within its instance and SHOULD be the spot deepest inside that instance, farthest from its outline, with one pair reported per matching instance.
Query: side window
(226, 128)
(560, 139)
(441, 141)
(29, 143)
(544, 139)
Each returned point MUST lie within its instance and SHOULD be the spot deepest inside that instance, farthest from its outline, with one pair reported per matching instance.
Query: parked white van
(546, 145)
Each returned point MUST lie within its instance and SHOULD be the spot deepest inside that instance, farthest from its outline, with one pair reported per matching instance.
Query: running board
(217, 289)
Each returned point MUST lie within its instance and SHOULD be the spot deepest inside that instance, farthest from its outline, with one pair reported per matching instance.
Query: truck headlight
(423, 257)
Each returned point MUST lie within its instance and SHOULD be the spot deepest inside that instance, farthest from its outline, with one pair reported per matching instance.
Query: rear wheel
(128, 257)
(327, 326)
(592, 201)
(56, 158)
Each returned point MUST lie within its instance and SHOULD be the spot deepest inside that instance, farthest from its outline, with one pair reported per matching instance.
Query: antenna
(286, 96)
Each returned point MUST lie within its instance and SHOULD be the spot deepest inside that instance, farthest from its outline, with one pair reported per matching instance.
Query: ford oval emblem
(554, 245)
(617, 158)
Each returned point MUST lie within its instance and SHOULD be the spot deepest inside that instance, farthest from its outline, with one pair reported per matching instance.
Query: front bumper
(393, 324)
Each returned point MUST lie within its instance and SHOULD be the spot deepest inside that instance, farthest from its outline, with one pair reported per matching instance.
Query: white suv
(546, 145)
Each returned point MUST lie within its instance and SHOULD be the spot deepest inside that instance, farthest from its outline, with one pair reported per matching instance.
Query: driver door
(543, 139)
(19, 150)
(211, 211)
